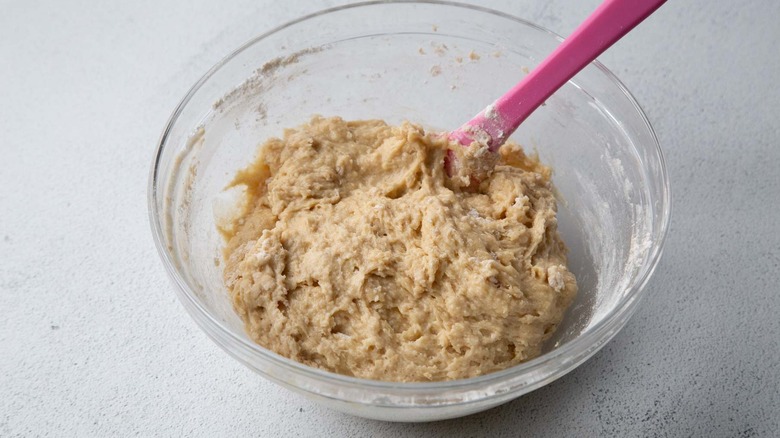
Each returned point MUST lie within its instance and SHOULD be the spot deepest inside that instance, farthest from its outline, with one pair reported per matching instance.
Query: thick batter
(357, 254)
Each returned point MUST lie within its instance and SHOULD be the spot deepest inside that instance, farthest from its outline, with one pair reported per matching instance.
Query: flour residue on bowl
(185, 157)
(259, 79)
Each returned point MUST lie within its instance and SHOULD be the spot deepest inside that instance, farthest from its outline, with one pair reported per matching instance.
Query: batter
(357, 254)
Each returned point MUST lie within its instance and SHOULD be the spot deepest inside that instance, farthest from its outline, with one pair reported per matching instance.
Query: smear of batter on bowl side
(356, 253)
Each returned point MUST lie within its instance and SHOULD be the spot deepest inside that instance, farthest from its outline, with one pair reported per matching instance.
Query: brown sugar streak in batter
(356, 254)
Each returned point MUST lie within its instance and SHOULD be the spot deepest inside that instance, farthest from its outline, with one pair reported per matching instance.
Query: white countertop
(93, 341)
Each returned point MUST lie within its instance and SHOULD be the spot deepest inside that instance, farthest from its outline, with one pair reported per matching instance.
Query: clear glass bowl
(437, 64)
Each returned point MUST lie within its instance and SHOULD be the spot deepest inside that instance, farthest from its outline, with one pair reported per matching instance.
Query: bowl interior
(408, 62)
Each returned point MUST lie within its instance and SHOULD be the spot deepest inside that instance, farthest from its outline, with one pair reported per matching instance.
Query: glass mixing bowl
(436, 64)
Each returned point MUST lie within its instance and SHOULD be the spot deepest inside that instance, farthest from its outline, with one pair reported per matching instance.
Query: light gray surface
(94, 343)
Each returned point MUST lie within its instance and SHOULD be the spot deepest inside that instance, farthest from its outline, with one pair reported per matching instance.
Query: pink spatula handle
(607, 24)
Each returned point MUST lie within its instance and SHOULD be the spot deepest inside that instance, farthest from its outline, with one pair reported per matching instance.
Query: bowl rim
(598, 335)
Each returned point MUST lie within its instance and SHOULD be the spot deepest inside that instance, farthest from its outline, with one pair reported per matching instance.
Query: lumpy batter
(357, 254)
